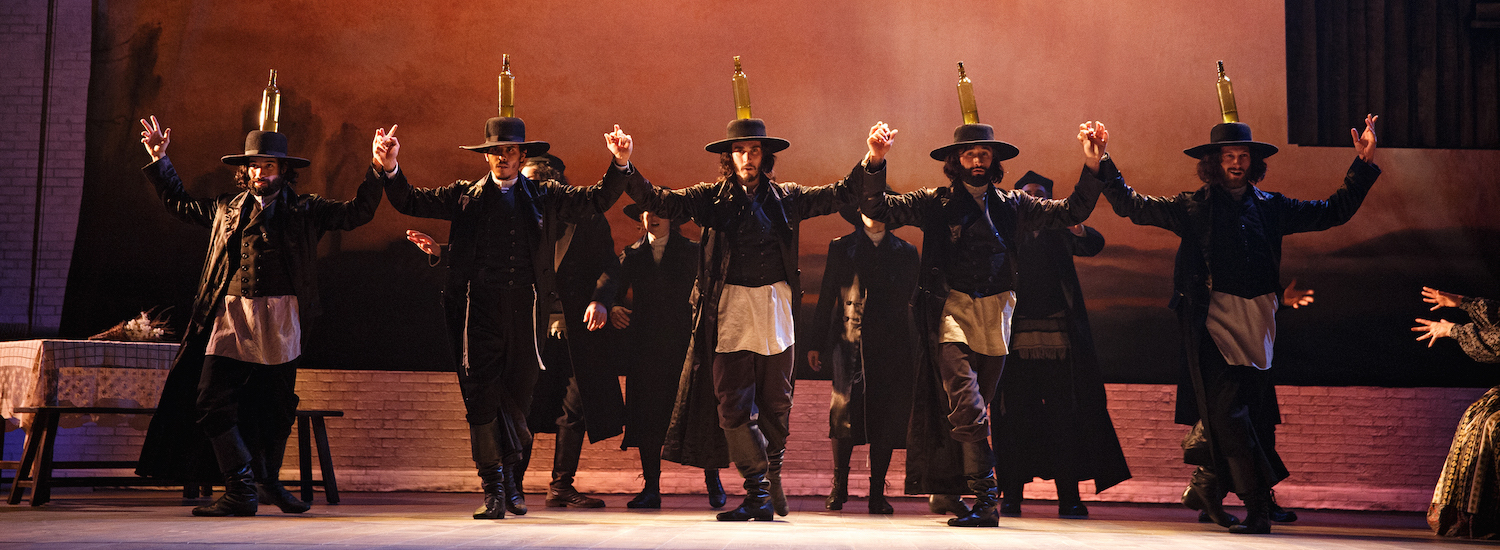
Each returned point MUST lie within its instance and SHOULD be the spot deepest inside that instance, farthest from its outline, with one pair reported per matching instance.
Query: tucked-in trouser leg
(1229, 389)
(970, 380)
(498, 334)
(755, 394)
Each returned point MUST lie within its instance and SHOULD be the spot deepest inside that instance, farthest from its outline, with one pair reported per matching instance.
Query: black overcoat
(872, 376)
(934, 460)
(660, 298)
(1088, 446)
(694, 437)
(175, 448)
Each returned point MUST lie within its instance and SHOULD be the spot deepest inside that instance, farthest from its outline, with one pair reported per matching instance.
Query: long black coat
(660, 298)
(934, 460)
(872, 375)
(175, 448)
(1079, 441)
(1189, 216)
(550, 205)
(582, 278)
(694, 437)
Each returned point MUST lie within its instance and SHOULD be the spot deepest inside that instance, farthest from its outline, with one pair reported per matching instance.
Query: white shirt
(756, 319)
(658, 246)
(1243, 328)
(266, 330)
(982, 323)
(875, 236)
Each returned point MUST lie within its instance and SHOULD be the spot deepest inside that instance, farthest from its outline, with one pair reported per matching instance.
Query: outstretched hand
(620, 145)
(1433, 329)
(1440, 299)
(385, 147)
(595, 316)
(155, 139)
(1296, 297)
(424, 242)
(1364, 143)
(1095, 138)
(882, 137)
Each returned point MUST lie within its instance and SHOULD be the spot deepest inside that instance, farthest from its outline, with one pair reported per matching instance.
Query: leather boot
(979, 463)
(564, 467)
(515, 499)
(840, 492)
(1257, 514)
(484, 444)
(1203, 494)
(268, 480)
(1011, 496)
(239, 482)
(716, 495)
(747, 449)
(773, 474)
(1069, 503)
(1279, 514)
(878, 505)
(947, 504)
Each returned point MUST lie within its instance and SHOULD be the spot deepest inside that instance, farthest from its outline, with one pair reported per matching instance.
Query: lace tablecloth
(81, 373)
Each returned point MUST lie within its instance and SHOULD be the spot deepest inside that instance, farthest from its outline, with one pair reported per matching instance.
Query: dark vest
(1039, 287)
(1240, 257)
(504, 241)
(756, 258)
(981, 259)
(262, 269)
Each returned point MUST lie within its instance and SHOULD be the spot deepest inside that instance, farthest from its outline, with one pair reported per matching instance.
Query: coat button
(244, 280)
(245, 255)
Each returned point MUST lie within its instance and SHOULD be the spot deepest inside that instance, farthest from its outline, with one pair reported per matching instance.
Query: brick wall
(1358, 448)
(23, 39)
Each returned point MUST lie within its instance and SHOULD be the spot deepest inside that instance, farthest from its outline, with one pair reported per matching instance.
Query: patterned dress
(1466, 502)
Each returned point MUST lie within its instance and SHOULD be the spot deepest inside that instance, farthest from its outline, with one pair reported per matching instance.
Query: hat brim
(242, 160)
(528, 148)
(1003, 150)
(1261, 149)
(770, 144)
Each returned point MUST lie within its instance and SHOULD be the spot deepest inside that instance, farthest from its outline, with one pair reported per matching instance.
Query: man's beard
(976, 180)
(272, 186)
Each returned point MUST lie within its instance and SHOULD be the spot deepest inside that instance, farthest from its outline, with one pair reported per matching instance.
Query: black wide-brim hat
(747, 129)
(260, 144)
(508, 130)
(850, 212)
(1033, 177)
(969, 135)
(634, 211)
(1231, 133)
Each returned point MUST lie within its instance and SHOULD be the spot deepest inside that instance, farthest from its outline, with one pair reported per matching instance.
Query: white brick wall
(22, 47)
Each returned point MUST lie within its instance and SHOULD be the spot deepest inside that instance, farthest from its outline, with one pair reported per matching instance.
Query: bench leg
(304, 457)
(42, 491)
(26, 472)
(325, 461)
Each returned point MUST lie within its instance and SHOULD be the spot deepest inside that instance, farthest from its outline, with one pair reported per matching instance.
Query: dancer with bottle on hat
(736, 397)
(236, 372)
(501, 281)
(966, 296)
(1228, 288)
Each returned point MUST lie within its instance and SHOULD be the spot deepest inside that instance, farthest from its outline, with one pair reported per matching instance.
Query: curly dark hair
(955, 169)
(288, 173)
(544, 170)
(767, 166)
(1211, 171)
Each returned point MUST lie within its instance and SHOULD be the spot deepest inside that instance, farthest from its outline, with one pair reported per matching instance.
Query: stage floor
(139, 519)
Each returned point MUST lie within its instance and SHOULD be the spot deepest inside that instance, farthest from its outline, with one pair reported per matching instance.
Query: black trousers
(494, 333)
(969, 380)
(261, 400)
(1244, 447)
(756, 390)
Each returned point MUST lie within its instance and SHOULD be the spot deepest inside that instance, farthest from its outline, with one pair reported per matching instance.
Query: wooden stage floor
(139, 519)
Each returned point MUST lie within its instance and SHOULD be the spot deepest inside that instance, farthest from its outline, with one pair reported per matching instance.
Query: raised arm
(579, 204)
(1090, 243)
(164, 177)
(346, 215)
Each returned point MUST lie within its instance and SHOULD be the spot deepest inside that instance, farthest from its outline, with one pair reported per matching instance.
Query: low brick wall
(1355, 448)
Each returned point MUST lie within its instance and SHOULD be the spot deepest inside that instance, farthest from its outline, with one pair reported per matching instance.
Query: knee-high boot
(271, 491)
(1205, 494)
(484, 442)
(239, 482)
(1257, 514)
(839, 494)
(515, 494)
(716, 495)
(564, 468)
(773, 474)
(979, 467)
(747, 448)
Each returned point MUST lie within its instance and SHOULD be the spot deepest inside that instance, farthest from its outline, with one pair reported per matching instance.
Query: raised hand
(619, 317)
(1364, 143)
(385, 147)
(424, 242)
(1440, 299)
(880, 141)
(620, 145)
(1094, 138)
(1296, 297)
(595, 316)
(1433, 330)
(155, 139)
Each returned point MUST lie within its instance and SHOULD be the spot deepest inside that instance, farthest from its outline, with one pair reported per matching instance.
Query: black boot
(239, 482)
(840, 492)
(757, 504)
(878, 505)
(747, 447)
(1011, 496)
(1257, 514)
(515, 498)
(947, 504)
(268, 480)
(716, 495)
(1203, 494)
(778, 497)
(564, 467)
(979, 462)
(484, 444)
(1069, 504)
(1279, 514)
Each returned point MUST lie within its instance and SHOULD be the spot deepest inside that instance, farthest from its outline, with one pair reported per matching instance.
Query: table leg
(42, 491)
(27, 470)
(325, 461)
